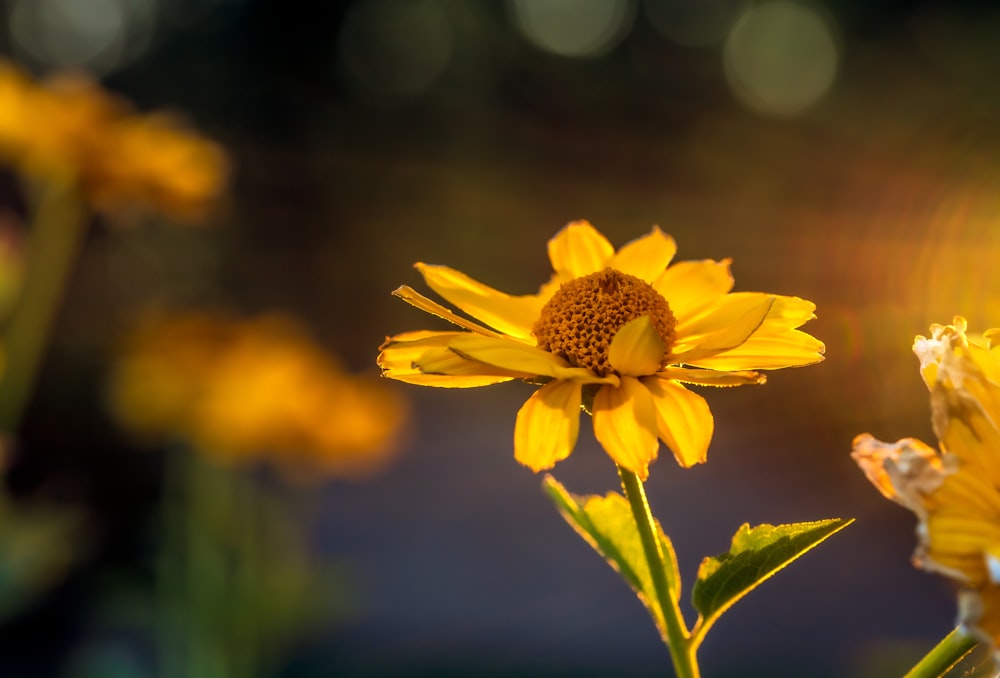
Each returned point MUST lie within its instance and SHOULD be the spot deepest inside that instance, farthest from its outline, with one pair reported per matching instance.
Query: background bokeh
(845, 152)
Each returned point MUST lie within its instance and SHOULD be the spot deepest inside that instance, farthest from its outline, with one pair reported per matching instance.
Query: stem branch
(682, 651)
(56, 232)
(945, 655)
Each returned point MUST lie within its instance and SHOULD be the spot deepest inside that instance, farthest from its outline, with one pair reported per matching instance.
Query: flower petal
(727, 326)
(683, 420)
(726, 311)
(985, 360)
(970, 495)
(446, 362)
(906, 471)
(636, 349)
(548, 425)
(689, 286)
(625, 425)
(965, 429)
(646, 257)
(414, 298)
(792, 348)
(955, 548)
(508, 314)
(786, 313)
(704, 377)
(579, 249)
(399, 353)
(512, 355)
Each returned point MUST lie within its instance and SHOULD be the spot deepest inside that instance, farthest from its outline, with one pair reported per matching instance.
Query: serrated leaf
(606, 523)
(756, 553)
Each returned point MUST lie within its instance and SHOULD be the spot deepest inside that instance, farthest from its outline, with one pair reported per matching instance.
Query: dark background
(879, 202)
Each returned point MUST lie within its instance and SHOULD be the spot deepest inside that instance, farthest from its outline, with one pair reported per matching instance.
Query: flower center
(583, 316)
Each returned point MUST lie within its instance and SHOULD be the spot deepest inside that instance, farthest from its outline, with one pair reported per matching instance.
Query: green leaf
(606, 523)
(756, 553)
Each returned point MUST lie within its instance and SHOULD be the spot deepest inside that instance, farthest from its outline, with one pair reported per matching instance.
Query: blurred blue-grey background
(842, 151)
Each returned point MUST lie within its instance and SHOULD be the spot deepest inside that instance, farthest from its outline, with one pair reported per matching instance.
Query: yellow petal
(579, 249)
(683, 420)
(636, 349)
(906, 471)
(955, 361)
(954, 537)
(418, 378)
(414, 298)
(547, 425)
(512, 355)
(931, 352)
(428, 337)
(969, 492)
(793, 348)
(727, 310)
(625, 425)
(729, 324)
(399, 353)
(964, 430)
(786, 313)
(957, 533)
(508, 314)
(985, 359)
(690, 286)
(704, 377)
(445, 361)
(646, 257)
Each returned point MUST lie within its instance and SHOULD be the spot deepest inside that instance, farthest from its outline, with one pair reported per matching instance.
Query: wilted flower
(68, 129)
(619, 332)
(252, 389)
(955, 491)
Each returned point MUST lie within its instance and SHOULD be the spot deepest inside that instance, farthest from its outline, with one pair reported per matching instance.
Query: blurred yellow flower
(955, 491)
(618, 332)
(246, 390)
(69, 129)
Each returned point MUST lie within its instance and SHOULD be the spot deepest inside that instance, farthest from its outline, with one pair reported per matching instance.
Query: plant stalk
(56, 232)
(678, 639)
(945, 655)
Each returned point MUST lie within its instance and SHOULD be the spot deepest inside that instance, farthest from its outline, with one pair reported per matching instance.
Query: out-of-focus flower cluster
(69, 129)
(955, 491)
(246, 390)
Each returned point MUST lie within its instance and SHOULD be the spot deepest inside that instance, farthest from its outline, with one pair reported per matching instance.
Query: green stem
(210, 570)
(192, 573)
(945, 655)
(682, 651)
(244, 637)
(56, 232)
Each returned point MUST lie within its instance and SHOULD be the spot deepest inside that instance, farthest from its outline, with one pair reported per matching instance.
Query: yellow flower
(955, 491)
(252, 389)
(154, 161)
(617, 331)
(69, 129)
(50, 130)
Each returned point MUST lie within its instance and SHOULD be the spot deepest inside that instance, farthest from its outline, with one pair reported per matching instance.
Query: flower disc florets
(583, 316)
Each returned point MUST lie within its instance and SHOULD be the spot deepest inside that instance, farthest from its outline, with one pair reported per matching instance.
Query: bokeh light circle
(780, 57)
(573, 28)
(396, 47)
(99, 35)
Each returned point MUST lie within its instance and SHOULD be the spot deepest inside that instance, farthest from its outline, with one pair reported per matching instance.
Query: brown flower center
(583, 316)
